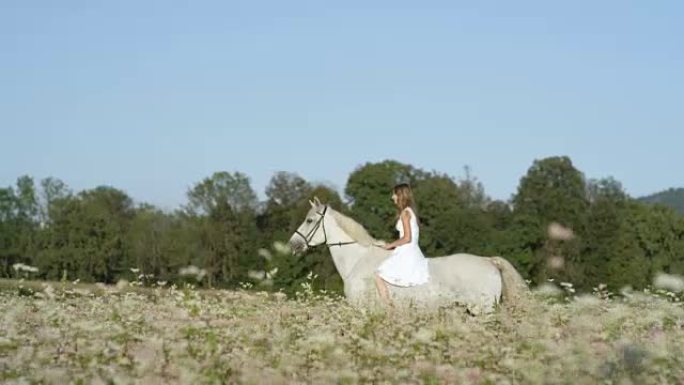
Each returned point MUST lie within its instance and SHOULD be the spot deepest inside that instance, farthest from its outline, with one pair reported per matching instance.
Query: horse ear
(312, 203)
(317, 201)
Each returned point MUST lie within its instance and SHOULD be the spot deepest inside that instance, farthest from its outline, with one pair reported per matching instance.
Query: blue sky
(153, 96)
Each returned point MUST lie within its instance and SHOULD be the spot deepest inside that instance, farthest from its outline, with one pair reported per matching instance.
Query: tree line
(672, 197)
(102, 235)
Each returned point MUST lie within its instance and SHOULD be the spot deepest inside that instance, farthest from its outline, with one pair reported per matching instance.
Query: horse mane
(354, 229)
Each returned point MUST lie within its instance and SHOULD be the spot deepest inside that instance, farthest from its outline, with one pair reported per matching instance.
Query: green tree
(672, 197)
(604, 238)
(222, 189)
(369, 189)
(106, 213)
(659, 234)
(18, 224)
(451, 219)
(287, 203)
(472, 192)
(223, 208)
(553, 190)
(149, 242)
(9, 254)
(86, 236)
(52, 190)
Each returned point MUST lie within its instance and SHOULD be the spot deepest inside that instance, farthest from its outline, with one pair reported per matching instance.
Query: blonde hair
(404, 198)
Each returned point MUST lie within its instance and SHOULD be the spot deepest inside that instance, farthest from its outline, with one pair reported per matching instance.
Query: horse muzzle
(297, 245)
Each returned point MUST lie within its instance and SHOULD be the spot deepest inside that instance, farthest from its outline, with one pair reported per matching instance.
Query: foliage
(99, 235)
(673, 197)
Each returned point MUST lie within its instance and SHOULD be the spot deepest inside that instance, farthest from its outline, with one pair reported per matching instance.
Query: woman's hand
(388, 246)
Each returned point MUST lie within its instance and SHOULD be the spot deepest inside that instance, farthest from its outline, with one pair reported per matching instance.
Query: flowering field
(64, 333)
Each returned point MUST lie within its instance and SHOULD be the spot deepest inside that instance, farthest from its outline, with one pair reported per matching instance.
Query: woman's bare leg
(382, 289)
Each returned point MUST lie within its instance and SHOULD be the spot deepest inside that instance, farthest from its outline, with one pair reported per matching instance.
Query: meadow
(69, 333)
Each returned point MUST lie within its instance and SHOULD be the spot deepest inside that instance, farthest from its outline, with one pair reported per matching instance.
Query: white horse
(479, 283)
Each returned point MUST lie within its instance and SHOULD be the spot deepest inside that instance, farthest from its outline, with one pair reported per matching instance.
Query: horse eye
(309, 220)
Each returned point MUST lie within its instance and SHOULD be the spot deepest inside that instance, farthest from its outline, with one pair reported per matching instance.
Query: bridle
(321, 223)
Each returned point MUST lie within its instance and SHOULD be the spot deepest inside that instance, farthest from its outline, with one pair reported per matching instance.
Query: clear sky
(153, 96)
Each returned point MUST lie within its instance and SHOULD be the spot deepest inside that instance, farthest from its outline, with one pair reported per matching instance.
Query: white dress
(406, 265)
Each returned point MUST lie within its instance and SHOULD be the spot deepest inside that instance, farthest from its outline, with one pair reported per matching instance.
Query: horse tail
(513, 285)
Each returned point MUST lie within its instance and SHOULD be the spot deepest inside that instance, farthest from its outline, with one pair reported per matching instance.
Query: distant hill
(673, 197)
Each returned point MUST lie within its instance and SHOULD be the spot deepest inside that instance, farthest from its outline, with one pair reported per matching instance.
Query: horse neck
(347, 256)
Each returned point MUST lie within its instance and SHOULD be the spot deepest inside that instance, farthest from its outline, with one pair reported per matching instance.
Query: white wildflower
(626, 291)
(424, 335)
(568, 287)
(22, 267)
(83, 292)
(256, 274)
(49, 291)
(558, 232)
(548, 289)
(264, 253)
(670, 282)
(555, 262)
(193, 271)
(280, 296)
(320, 339)
(282, 248)
(587, 300)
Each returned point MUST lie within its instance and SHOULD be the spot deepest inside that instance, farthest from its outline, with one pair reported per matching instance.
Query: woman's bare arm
(406, 223)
